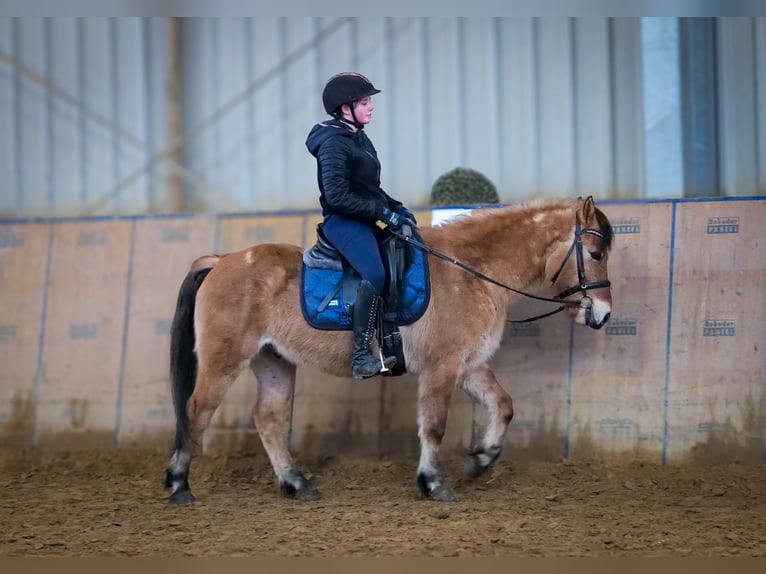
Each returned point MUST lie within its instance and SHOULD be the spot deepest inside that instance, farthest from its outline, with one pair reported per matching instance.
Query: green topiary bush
(463, 186)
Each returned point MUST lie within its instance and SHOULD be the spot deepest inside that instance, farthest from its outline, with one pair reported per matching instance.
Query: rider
(348, 173)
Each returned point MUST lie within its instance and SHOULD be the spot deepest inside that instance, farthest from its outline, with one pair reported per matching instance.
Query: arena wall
(679, 372)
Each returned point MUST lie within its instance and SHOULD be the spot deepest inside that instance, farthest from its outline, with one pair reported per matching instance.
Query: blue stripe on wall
(567, 436)
(667, 336)
(125, 327)
(41, 338)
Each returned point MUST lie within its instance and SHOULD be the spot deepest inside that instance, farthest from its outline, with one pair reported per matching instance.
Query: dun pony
(241, 310)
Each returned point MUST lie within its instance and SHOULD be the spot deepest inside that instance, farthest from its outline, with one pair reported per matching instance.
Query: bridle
(585, 302)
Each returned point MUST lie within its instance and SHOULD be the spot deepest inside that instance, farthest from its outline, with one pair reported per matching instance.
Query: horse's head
(578, 267)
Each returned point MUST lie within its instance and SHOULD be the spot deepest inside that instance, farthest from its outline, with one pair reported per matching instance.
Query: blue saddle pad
(319, 283)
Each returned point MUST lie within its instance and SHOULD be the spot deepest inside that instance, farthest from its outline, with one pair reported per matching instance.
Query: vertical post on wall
(176, 198)
(699, 104)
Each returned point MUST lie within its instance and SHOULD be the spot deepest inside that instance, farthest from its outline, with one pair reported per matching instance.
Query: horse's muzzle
(591, 315)
(595, 324)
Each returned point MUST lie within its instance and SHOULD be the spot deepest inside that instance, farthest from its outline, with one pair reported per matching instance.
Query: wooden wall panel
(23, 263)
(716, 384)
(532, 365)
(239, 232)
(164, 249)
(82, 346)
(399, 429)
(618, 372)
(232, 425)
(678, 372)
(376, 416)
(310, 229)
(334, 415)
(399, 416)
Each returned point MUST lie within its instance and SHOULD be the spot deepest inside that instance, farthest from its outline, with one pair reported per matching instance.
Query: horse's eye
(596, 255)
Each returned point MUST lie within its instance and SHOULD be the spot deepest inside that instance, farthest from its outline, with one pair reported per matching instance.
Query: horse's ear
(588, 209)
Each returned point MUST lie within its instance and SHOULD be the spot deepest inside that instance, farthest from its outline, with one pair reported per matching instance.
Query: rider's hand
(407, 214)
(393, 220)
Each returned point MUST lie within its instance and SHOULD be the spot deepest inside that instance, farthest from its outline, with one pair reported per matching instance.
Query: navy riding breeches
(358, 243)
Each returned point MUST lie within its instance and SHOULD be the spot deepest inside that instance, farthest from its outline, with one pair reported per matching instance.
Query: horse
(241, 309)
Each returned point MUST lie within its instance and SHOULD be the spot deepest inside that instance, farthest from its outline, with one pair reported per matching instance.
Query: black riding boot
(364, 317)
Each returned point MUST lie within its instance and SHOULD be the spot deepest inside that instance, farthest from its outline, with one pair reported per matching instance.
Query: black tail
(183, 360)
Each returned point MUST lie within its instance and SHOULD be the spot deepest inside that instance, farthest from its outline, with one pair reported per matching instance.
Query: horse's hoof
(477, 462)
(297, 486)
(307, 494)
(473, 468)
(443, 493)
(182, 497)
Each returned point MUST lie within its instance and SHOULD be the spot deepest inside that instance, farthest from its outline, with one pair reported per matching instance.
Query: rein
(576, 247)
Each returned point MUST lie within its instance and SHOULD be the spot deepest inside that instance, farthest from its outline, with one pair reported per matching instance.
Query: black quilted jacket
(348, 172)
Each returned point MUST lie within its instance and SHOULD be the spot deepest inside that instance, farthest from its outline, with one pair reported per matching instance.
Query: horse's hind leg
(276, 384)
(212, 382)
(435, 389)
(481, 385)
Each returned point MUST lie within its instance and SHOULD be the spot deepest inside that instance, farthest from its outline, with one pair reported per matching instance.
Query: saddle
(329, 285)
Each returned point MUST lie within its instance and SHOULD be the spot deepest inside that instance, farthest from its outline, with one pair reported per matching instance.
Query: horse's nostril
(606, 318)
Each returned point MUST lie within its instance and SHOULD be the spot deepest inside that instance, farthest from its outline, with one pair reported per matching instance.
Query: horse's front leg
(434, 393)
(482, 386)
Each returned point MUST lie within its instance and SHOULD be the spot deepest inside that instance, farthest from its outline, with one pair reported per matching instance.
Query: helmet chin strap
(355, 123)
(353, 115)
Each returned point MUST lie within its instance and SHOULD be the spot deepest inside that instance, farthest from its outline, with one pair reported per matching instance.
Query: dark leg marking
(181, 493)
(296, 485)
(432, 486)
(479, 460)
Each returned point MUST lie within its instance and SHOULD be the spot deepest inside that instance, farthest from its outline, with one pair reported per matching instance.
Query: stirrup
(376, 367)
(386, 363)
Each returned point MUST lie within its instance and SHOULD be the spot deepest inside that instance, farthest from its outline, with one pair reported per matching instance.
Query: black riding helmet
(345, 88)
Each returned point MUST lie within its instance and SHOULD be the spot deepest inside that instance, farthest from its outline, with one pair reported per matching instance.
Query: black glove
(407, 214)
(393, 220)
